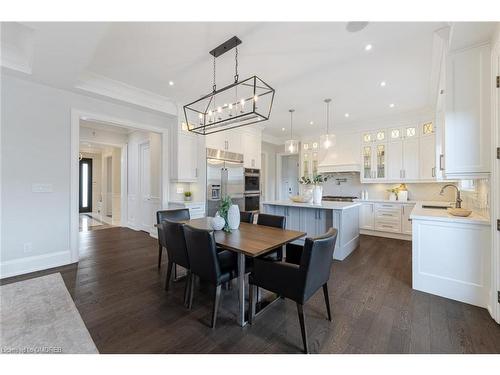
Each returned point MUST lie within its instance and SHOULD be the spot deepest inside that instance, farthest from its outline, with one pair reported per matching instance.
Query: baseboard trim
(397, 236)
(21, 266)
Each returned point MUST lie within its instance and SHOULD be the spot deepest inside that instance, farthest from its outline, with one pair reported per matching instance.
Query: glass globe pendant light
(327, 140)
(292, 145)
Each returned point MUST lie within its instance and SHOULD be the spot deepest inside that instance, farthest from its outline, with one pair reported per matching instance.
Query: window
(367, 138)
(411, 131)
(306, 146)
(395, 133)
(428, 128)
(315, 145)
(381, 135)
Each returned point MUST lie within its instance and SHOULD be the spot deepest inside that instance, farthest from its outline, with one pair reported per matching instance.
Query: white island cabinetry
(451, 255)
(317, 219)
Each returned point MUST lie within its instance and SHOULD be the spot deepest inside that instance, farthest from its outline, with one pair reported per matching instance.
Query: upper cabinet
(228, 140)
(374, 156)
(246, 141)
(185, 158)
(468, 113)
(399, 154)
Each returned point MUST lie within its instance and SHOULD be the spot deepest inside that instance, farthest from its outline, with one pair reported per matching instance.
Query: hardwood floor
(119, 292)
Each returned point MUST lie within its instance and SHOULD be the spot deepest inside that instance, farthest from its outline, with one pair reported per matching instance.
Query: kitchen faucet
(458, 203)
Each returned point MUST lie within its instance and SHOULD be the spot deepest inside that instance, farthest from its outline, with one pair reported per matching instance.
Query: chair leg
(216, 304)
(300, 310)
(169, 274)
(187, 288)
(252, 301)
(327, 301)
(191, 290)
(160, 250)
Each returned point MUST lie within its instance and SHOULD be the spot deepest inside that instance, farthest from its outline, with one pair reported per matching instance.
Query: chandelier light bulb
(255, 98)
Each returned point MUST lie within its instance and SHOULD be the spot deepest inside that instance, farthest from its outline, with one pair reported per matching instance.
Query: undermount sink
(435, 207)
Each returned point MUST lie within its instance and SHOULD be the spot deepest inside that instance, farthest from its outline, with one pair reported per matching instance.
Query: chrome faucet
(458, 203)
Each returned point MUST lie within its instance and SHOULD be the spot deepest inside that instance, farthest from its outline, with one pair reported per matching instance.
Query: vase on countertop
(317, 194)
(233, 217)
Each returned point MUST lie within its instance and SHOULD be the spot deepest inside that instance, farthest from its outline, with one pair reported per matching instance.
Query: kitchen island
(451, 255)
(317, 219)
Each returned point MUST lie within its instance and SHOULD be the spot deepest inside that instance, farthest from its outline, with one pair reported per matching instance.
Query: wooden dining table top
(250, 239)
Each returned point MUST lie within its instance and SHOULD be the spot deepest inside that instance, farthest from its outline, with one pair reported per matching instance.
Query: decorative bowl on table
(459, 212)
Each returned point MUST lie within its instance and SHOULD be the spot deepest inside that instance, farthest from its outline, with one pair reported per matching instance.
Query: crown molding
(103, 86)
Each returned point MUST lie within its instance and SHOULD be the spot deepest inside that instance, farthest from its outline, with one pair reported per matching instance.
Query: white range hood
(337, 168)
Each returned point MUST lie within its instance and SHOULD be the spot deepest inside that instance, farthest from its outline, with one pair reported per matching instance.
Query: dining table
(249, 240)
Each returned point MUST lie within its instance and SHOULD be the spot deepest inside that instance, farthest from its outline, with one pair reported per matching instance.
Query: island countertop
(324, 204)
(420, 213)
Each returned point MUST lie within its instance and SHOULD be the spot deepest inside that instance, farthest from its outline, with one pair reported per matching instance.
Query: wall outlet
(28, 247)
(180, 190)
(41, 188)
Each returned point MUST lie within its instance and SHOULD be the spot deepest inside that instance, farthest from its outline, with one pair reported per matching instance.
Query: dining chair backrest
(178, 214)
(316, 261)
(246, 217)
(272, 220)
(202, 253)
(175, 242)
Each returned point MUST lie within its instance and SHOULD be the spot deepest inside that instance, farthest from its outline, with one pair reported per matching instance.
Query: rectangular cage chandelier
(239, 104)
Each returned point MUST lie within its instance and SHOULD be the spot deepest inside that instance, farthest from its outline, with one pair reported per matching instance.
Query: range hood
(336, 161)
(338, 168)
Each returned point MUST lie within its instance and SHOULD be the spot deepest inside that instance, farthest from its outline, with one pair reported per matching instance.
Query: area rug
(39, 316)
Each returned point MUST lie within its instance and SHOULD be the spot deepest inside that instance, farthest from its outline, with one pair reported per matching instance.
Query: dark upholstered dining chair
(178, 214)
(208, 264)
(275, 221)
(246, 217)
(176, 250)
(297, 282)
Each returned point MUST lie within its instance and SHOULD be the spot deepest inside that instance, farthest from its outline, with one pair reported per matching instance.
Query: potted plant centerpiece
(230, 213)
(318, 181)
(188, 196)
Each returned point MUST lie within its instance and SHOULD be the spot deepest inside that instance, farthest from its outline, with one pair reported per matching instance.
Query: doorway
(85, 190)
(287, 175)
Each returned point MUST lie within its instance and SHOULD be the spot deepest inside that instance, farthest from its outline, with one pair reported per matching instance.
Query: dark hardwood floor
(119, 292)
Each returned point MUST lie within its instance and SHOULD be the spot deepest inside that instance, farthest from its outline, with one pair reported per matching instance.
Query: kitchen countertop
(186, 202)
(419, 213)
(384, 201)
(324, 205)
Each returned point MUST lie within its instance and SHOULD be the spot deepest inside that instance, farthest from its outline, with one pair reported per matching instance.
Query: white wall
(271, 150)
(35, 147)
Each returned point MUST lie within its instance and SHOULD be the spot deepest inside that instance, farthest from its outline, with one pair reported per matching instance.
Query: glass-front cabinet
(374, 156)
(309, 159)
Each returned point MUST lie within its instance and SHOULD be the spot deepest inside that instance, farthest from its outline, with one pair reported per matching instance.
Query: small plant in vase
(224, 206)
(188, 196)
(393, 194)
(318, 181)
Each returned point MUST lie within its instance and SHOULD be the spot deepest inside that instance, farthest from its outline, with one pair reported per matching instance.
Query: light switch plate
(41, 188)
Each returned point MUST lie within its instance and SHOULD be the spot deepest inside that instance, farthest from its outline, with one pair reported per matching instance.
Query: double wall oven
(252, 189)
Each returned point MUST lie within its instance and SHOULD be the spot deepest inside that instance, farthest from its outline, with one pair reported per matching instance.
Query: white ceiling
(304, 62)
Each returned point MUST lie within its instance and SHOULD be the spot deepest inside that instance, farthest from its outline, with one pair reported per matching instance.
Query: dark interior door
(85, 185)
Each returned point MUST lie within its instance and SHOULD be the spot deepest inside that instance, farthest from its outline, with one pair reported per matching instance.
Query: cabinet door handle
(433, 171)
(441, 162)
(196, 172)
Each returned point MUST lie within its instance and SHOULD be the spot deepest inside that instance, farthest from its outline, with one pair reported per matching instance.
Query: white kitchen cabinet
(427, 157)
(374, 161)
(228, 140)
(405, 218)
(185, 158)
(468, 113)
(410, 170)
(252, 146)
(366, 216)
(395, 162)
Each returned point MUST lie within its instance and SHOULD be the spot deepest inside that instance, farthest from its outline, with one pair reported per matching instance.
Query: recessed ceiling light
(368, 47)
(171, 83)
(382, 83)
(282, 129)
(391, 105)
(346, 115)
(311, 122)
